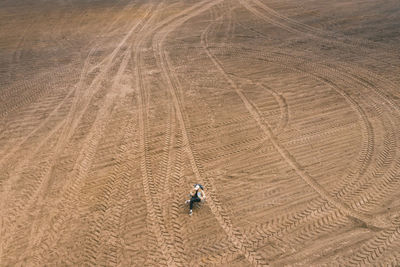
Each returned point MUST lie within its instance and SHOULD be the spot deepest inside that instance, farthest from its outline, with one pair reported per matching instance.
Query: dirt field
(288, 112)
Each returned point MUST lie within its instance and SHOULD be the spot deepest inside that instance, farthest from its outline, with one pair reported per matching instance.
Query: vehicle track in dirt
(384, 152)
(343, 74)
(233, 234)
(291, 128)
(155, 216)
(259, 231)
(104, 115)
(262, 11)
(46, 170)
(77, 87)
(285, 154)
(388, 147)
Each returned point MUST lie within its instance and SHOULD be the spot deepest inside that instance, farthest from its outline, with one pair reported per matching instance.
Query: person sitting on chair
(196, 195)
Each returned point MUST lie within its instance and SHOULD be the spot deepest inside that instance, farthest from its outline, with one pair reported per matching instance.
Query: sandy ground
(288, 112)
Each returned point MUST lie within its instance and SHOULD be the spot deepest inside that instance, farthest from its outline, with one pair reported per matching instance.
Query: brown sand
(288, 112)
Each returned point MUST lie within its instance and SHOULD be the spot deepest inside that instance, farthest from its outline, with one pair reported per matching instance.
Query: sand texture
(288, 112)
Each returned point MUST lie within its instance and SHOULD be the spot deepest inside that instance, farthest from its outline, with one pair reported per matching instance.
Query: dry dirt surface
(288, 112)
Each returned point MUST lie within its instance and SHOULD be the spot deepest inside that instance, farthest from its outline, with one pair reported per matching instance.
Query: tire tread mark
(233, 234)
(155, 216)
(83, 162)
(283, 151)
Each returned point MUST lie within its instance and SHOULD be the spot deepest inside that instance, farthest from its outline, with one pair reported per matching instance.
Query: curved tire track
(284, 152)
(234, 235)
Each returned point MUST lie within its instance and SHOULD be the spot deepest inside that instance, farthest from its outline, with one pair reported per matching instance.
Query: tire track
(122, 232)
(84, 73)
(155, 212)
(350, 186)
(384, 161)
(103, 240)
(331, 222)
(216, 254)
(389, 178)
(233, 234)
(16, 56)
(239, 119)
(371, 153)
(99, 126)
(155, 216)
(79, 173)
(325, 76)
(68, 129)
(108, 30)
(163, 178)
(270, 15)
(52, 114)
(285, 153)
(69, 125)
(305, 29)
(73, 127)
(280, 227)
(291, 24)
(86, 155)
(96, 226)
(360, 82)
(378, 166)
(176, 185)
(372, 250)
(283, 107)
(321, 133)
(30, 91)
(284, 111)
